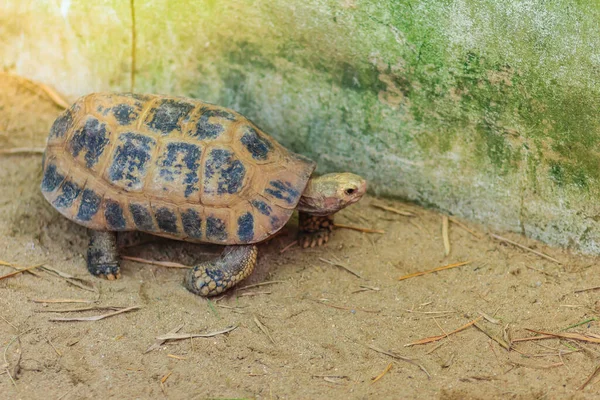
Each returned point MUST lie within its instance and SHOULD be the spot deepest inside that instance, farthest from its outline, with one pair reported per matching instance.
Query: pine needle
(449, 266)
(167, 264)
(436, 338)
(96, 317)
(385, 371)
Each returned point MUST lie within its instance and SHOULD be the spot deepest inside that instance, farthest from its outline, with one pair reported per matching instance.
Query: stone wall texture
(484, 109)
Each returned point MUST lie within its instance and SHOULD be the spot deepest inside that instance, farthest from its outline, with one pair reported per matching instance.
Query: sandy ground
(318, 331)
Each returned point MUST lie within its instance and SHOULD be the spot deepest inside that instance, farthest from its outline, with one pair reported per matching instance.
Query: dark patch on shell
(262, 207)
(68, 193)
(166, 116)
(258, 146)
(229, 173)
(246, 227)
(90, 203)
(92, 138)
(52, 178)
(113, 213)
(125, 114)
(208, 130)
(171, 168)
(62, 124)
(283, 191)
(215, 229)
(167, 220)
(192, 223)
(131, 157)
(142, 217)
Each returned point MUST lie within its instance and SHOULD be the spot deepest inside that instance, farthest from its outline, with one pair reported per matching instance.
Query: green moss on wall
(484, 109)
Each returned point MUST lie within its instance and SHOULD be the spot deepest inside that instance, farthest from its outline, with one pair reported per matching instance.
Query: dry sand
(320, 323)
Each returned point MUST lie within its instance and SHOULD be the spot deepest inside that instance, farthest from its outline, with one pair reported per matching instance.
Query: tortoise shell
(170, 166)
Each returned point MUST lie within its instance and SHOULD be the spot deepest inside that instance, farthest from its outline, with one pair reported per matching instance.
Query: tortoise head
(327, 194)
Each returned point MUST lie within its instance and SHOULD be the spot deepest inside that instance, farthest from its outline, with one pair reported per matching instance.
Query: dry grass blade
(23, 150)
(96, 317)
(260, 284)
(53, 301)
(394, 210)
(263, 329)
(398, 357)
(20, 271)
(589, 379)
(289, 246)
(567, 335)
(503, 239)
(180, 336)
(348, 308)
(358, 228)
(385, 371)
(176, 357)
(167, 264)
(445, 235)
(495, 338)
(436, 338)
(54, 96)
(466, 228)
(449, 266)
(587, 289)
(159, 343)
(95, 308)
(338, 264)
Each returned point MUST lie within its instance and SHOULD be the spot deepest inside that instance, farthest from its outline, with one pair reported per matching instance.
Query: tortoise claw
(313, 239)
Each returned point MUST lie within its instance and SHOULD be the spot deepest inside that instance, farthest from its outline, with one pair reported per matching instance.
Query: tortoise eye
(349, 191)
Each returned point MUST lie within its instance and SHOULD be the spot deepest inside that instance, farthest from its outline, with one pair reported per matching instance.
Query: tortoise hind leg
(214, 276)
(102, 255)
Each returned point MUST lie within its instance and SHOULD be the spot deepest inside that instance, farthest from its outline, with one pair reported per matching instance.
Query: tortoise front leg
(314, 230)
(219, 274)
(102, 256)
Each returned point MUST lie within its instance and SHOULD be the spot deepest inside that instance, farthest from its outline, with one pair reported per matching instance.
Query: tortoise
(187, 170)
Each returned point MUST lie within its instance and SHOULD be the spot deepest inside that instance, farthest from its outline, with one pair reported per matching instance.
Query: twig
(338, 264)
(289, 246)
(23, 150)
(445, 235)
(398, 357)
(348, 308)
(547, 257)
(587, 289)
(260, 284)
(385, 371)
(394, 210)
(53, 301)
(180, 336)
(436, 338)
(159, 343)
(358, 228)
(96, 317)
(449, 266)
(263, 329)
(167, 264)
(20, 271)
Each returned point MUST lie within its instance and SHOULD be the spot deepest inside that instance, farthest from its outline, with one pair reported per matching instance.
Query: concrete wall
(482, 108)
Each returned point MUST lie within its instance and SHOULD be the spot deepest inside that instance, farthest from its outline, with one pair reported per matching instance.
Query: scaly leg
(102, 256)
(219, 274)
(314, 230)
